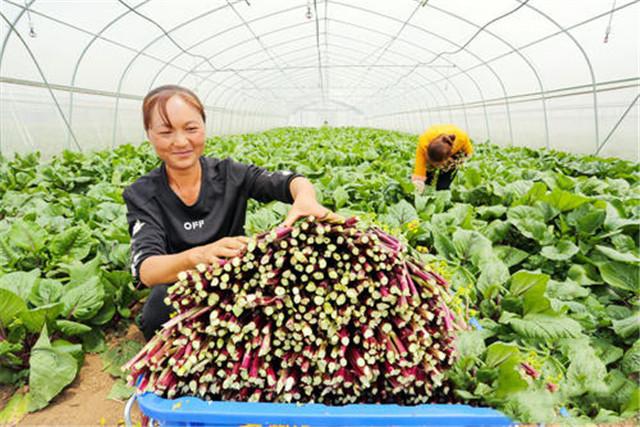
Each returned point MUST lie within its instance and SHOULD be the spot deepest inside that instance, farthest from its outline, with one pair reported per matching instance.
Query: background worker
(441, 150)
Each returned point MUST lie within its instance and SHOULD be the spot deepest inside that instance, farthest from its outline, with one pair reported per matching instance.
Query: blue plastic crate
(191, 411)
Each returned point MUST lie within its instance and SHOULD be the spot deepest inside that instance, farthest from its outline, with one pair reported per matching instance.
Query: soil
(84, 402)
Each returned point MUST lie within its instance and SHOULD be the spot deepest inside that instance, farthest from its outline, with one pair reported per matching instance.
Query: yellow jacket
(461, 142)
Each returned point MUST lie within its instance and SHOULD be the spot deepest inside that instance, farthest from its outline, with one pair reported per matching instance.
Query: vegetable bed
(540, 248)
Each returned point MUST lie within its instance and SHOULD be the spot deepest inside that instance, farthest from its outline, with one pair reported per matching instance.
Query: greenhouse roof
(537, 73)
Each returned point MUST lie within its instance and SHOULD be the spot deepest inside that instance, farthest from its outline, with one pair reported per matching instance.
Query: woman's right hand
(227, 247)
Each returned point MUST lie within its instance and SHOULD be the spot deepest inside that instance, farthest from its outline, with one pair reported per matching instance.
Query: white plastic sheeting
(539, 73)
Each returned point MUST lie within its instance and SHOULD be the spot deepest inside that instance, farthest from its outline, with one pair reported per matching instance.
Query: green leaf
(51, 370)
(340, 197)
(632, 407)
(443, 245)
(120, 391)
(117, 356)
(524, 280)
(584, 275)
(71, 328)
(627, 327)
(20, 283)
(567, 290)
(586, 371)
(618, 256)
(472, 246)
(562, 251)
(564, 200)
(494, 274)
(470, 343)
(74, 350)
(620, 275)
(105, 314)
(586, 219)
(535, 300)
(545, 326)
(491, 212)
(84, 301)
(530, 223)
(499, 353)
(624, 243)
(27, 235)
(497, 230)
(11, 305)
(15, 409)
(531, 406)
(35, 318)
(80, 273)
(94, 341)
(46, 291)
(509, 255)
(400, 214)
(631, 360)
(74, 243)
(615, 218)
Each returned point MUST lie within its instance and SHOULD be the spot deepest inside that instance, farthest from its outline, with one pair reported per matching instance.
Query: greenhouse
(250, 212)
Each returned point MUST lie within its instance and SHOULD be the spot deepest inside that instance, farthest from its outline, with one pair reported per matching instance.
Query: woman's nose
(181, 139)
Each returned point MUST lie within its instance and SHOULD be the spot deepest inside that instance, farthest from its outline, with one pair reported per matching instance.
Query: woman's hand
(305, 204)
(227, 247)
(302, 207)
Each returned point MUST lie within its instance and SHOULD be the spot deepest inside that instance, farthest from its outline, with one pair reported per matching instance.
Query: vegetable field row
(540, 248)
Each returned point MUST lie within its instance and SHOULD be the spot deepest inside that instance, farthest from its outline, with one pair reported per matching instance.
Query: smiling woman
(192, 209)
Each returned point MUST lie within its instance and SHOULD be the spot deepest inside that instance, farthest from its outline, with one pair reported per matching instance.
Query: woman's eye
(192, 129)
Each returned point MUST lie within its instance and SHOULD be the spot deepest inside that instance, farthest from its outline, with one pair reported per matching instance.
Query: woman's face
(181, 143)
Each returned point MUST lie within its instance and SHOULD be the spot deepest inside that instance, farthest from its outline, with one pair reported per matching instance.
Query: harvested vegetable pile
(330, 313)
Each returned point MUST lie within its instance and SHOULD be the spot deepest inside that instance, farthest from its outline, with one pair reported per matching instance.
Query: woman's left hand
(309, 206)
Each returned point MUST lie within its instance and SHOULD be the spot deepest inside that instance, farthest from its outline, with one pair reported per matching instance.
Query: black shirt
(160, 223)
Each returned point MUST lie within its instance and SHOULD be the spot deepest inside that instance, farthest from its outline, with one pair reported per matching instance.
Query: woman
(192, 208)
(441, 148)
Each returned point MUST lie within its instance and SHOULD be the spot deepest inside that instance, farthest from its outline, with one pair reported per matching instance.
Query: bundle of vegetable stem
(319, 312)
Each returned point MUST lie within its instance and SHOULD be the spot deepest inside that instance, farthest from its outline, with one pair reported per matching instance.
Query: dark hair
(439, 148)
(160, 95)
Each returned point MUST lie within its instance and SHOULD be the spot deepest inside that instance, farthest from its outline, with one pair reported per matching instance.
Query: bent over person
(441, 149)
(192, 208)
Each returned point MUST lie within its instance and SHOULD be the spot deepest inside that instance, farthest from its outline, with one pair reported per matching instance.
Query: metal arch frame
(255, 36)
(388, 44)
(118, 44)
(270, 81)
(473, 82)
(42, 75)
(586, 57)
(12, 25)
(231, 98)
(86, 49)
(563, 30)
(293, 8)
(522, 56)
(368, 29)
(347, 106)
(540, 40)
(140, 52)
(306, 49)
(615, 127)
(290, 52)
(64, 23)
(465, 49)
(208, 38)
(544, 38)
(236, 45)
